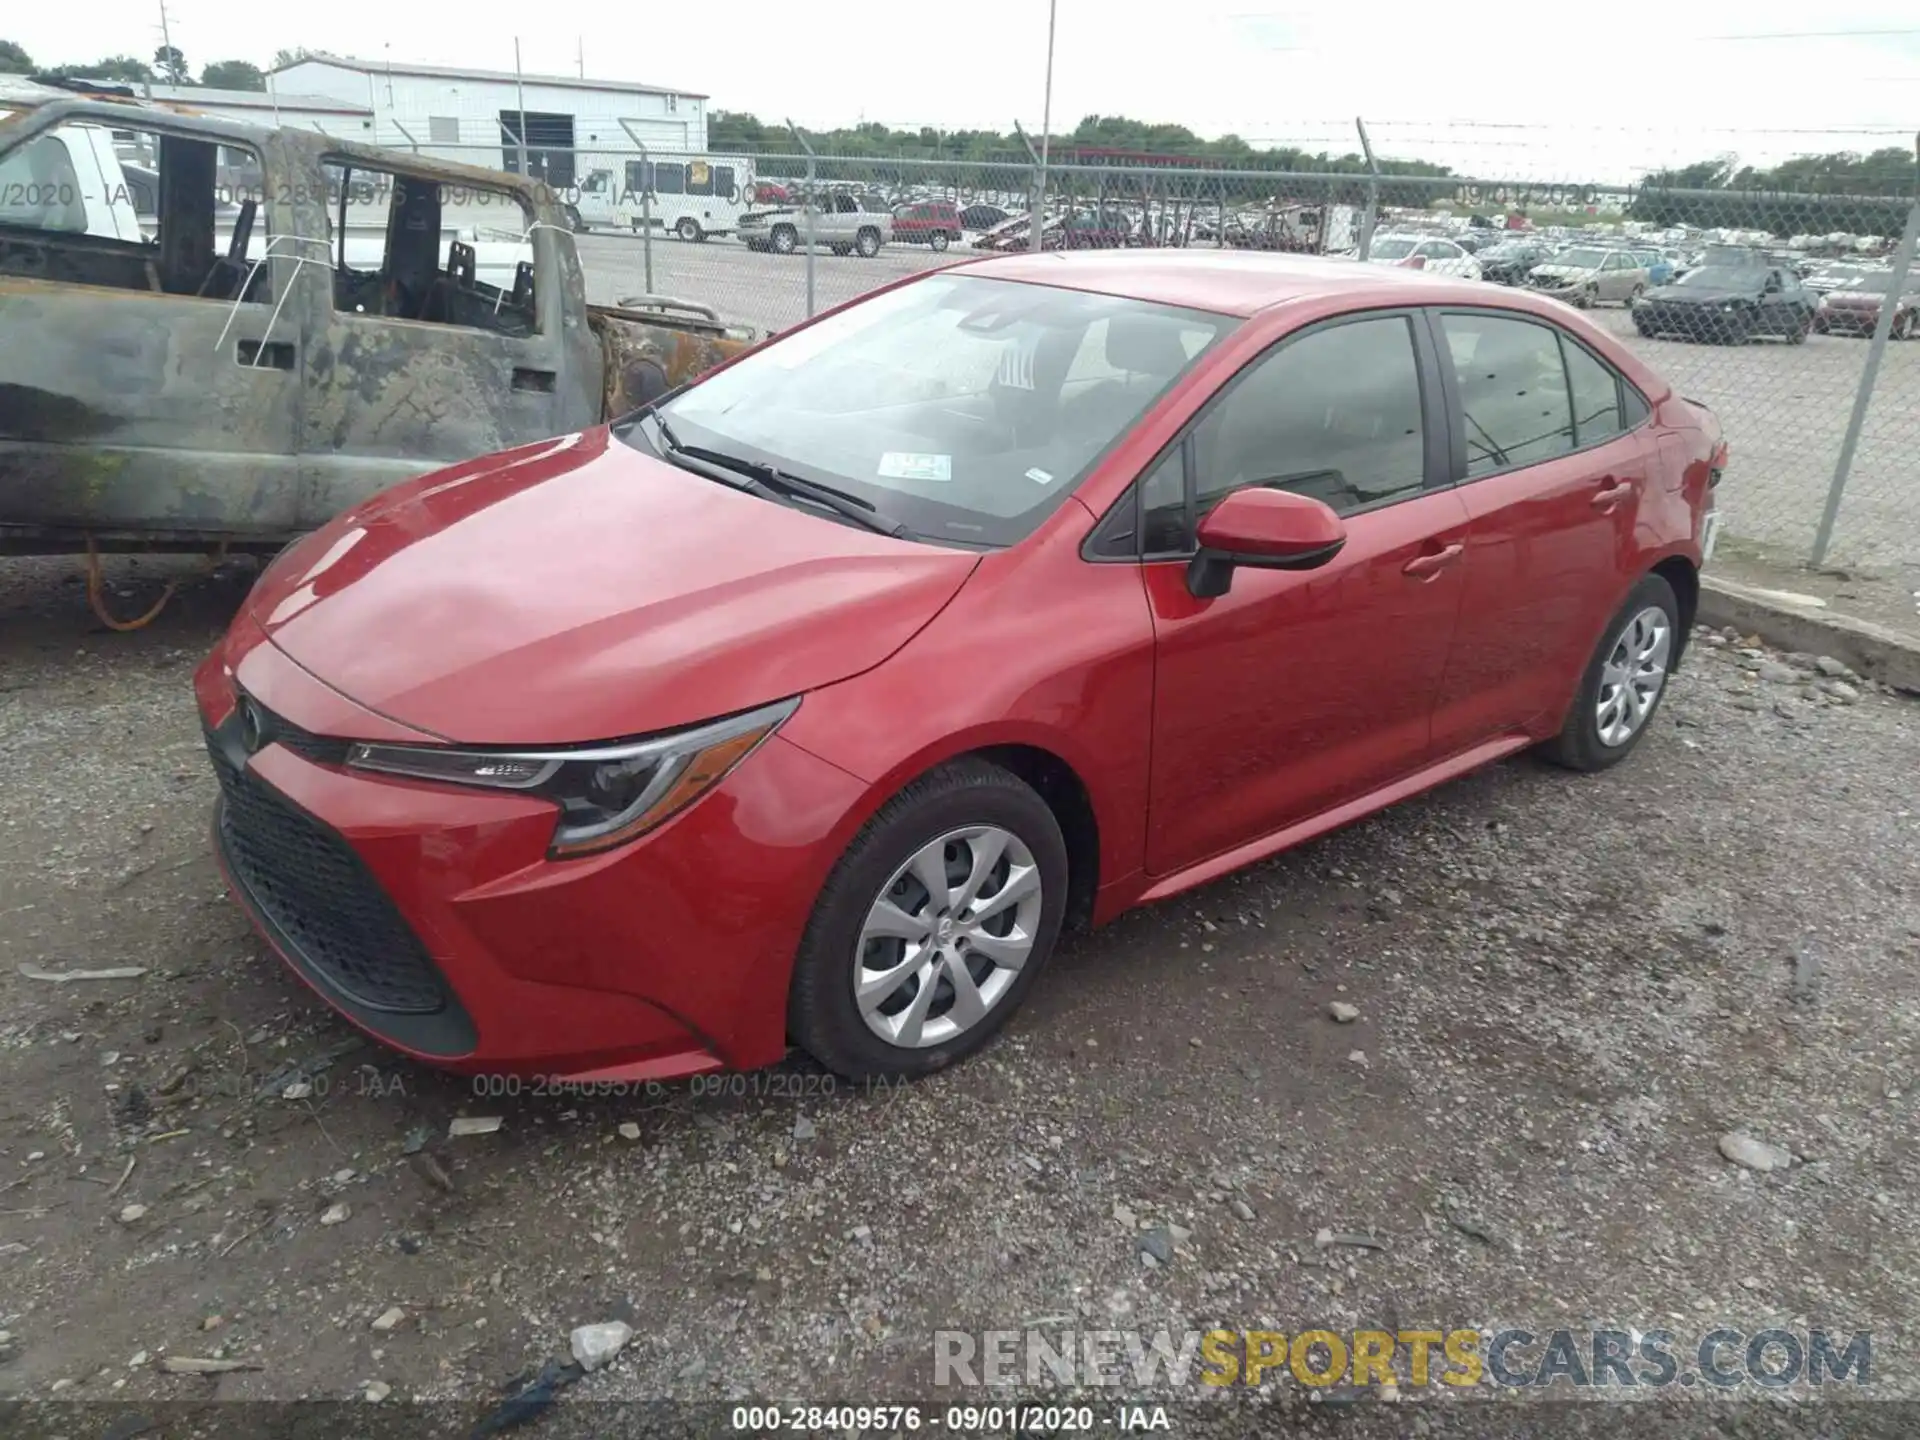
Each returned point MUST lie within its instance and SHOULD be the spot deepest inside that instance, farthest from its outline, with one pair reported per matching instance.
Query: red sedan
(807, 705)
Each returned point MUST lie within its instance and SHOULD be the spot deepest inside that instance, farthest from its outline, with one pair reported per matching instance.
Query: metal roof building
(535, 123)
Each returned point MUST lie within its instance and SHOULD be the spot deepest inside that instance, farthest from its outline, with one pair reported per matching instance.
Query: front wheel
(688, 229)
(785, 239)
(932, 927)
(867, 242)
(1623, 683)
(1902, 326)
(939, 239)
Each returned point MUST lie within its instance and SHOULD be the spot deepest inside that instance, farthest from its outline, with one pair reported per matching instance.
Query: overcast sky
(1563, 91)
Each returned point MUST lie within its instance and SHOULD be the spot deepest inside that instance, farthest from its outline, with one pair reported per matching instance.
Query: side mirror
(1267, 529)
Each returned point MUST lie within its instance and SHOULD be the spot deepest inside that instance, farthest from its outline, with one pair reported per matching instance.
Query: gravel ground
(1785, 407)
(1569, 989)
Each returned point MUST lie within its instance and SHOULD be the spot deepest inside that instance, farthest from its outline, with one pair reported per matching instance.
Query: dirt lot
(1568, 990)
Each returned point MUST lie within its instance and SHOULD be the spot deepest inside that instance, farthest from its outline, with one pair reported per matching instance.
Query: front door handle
(1611, 494)
(1425, 567)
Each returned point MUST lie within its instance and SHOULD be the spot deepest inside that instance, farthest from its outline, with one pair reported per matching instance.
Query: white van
(692, 196)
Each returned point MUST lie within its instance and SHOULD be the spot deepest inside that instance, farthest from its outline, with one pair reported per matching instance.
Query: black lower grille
(322, 899)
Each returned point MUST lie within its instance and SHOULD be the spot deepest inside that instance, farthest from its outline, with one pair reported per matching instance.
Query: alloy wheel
(1632, 676)
(947, 936)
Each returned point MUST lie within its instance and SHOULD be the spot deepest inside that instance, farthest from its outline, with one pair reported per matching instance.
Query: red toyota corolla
(805, 706)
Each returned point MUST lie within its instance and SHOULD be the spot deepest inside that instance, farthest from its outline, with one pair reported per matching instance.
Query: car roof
(1242, 282)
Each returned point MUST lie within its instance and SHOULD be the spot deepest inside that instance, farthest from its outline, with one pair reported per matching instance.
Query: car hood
(1700, 294)
(1551, 271)
(1852, 300)
(580, 590)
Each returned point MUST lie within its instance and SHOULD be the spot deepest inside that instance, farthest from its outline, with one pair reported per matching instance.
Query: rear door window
(1514, 401)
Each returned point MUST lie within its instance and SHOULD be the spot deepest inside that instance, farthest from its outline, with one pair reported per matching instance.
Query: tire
(1587, 299)
(939, 240)
(1646, 331)
(1902, 326)
(824, 1016)
(1799, 327)
(1738, 327)
(867, 242)
(1581, 743)
(688, 229)
(785, 240)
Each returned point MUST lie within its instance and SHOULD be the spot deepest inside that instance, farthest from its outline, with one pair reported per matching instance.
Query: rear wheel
(867, 242)
(785, 239)
(1902, 326)
(933, 926)
(938, 239)
(1623, 683)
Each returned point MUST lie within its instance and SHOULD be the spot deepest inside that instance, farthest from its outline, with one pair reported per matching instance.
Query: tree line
(168, 67)
(1810, 194)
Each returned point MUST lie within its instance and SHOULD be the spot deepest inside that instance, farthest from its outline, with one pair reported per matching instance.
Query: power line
(1811, 35)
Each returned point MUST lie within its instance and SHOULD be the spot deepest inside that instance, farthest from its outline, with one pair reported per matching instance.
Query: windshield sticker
(906, 465)
(1039, 476)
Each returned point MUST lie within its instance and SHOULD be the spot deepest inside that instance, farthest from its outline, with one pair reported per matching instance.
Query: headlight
(607, 794)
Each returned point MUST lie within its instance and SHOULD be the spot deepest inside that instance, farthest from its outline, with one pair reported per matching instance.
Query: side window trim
(1430, 375)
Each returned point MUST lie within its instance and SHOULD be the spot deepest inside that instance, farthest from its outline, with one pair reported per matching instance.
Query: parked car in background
(808, 704)
(1423, 252)
(838, 221)
(1658, 267)
(981, 217)
(1507, 262)
(1854, 308)
(934, 223)
(1728, 304)
(1587, 275)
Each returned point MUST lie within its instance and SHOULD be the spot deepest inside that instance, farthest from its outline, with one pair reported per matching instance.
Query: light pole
(1036, 213)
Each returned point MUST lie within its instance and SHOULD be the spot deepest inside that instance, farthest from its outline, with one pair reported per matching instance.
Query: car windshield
(1580, 259)
(964, 408)
(1391, 249)
(1725, 277)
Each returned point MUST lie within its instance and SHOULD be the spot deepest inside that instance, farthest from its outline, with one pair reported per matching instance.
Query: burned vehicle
(296, 323)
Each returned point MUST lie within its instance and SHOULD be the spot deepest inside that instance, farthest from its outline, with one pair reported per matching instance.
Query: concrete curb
(1875, 651)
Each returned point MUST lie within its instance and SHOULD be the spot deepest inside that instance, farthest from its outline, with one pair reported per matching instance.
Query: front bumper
(668, 956)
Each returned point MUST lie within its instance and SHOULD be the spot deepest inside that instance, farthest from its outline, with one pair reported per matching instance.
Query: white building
(482, 116)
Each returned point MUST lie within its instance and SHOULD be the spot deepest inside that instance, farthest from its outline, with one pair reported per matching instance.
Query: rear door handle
(1423, 567)
(1612, 492)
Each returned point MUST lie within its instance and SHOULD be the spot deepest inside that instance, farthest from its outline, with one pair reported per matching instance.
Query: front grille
(319, 896)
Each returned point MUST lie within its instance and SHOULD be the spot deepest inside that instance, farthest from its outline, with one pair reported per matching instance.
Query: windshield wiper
(775, 483)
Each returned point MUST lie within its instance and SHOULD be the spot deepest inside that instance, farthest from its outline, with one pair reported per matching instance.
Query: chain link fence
(1796, 317)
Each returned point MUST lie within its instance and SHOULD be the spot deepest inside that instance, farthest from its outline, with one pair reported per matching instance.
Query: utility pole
(166, 42)
(580, 54)
(1036, 239)
(520, 89)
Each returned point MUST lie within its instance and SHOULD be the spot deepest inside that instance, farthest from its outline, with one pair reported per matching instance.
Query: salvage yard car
(1728, 304)
(1853, 308)
(1587, 274)
(808, 704)
(292, 334)
(1423, 252)
(836, 219)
